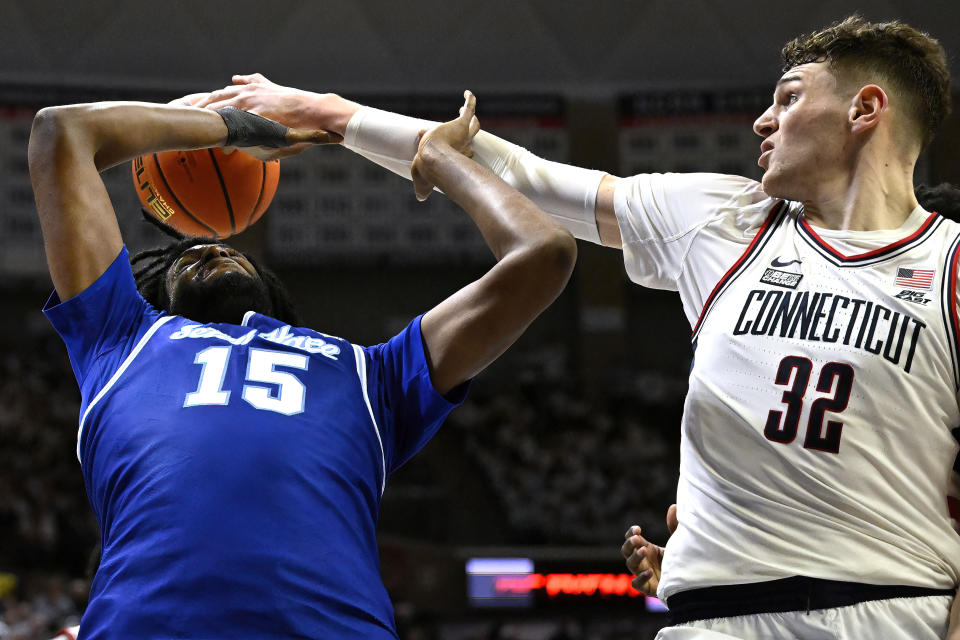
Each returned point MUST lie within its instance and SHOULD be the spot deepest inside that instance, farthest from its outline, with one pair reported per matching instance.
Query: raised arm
(71, 145)
(535, 257)
(581, 200)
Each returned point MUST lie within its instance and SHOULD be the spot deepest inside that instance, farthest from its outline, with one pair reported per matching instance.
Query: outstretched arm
(581, 200)
(535, 257)
(70, 145)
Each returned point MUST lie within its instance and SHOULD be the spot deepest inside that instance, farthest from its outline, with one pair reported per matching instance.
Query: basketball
(205, 193)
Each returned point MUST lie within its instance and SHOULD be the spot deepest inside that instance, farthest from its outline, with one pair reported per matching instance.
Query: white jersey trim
(893, 250)
(123, 367)
(246, 318)
(361, 359)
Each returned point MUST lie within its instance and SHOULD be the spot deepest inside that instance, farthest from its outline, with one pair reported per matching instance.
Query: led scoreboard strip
(516, 582)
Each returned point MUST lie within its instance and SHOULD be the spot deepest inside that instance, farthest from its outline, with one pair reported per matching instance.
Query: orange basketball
(205, 193)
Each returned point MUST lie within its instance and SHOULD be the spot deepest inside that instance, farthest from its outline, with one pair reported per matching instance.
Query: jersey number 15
(285, 393)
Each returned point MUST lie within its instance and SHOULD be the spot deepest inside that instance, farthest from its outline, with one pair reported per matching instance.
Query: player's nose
(766, 124)
(212, 251)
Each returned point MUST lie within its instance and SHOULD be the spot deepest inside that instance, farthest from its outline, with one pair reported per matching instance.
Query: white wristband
(567, 193)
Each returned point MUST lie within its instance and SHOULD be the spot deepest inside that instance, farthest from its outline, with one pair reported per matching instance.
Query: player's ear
(867, 108)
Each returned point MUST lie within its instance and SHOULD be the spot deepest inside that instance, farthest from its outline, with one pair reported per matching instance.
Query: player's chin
(775, 186)
(225, 297)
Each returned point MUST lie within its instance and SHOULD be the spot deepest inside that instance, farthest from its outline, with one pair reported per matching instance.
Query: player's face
(805, 134)
(215, 283)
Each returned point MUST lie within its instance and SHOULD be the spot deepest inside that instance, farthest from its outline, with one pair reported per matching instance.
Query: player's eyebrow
(790, 78)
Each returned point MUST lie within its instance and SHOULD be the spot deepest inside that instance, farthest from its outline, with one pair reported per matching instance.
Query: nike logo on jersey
(778, 263)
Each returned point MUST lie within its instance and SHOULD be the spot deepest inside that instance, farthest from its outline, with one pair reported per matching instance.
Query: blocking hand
(289, 142)
(256, 94)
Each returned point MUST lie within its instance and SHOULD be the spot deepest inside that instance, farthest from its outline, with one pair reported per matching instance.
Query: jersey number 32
(783, 428)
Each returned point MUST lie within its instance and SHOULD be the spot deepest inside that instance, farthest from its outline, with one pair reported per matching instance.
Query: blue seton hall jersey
(236, 470)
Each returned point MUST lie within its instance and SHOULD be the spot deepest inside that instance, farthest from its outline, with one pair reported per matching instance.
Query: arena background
(566, 441)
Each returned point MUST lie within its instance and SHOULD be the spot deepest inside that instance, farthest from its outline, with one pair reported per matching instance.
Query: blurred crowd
(41, 606)
(561, 627)
(47, 530)
(571, 470)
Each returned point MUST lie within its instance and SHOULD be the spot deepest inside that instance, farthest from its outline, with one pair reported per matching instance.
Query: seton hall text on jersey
(827, 317)
(284, 335)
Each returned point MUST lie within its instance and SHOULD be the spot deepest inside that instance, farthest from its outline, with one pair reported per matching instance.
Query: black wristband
(245, 129)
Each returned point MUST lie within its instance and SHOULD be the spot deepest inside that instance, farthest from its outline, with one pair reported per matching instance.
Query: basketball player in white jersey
(818, 482)
(644, 558)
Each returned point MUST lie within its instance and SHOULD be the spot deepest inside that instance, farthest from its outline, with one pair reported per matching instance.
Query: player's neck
(877, 193)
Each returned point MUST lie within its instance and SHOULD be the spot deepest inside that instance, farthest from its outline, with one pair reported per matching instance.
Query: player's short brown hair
(910, 62)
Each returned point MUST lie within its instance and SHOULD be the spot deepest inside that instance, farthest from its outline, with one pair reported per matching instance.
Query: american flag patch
(914, 278)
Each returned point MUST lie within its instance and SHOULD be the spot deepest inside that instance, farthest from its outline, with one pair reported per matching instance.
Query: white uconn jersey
(819, 430)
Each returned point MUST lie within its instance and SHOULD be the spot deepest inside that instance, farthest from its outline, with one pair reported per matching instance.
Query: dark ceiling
(575, 47)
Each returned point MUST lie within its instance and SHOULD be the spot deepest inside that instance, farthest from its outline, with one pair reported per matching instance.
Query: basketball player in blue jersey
(236, 461)
(819, 491)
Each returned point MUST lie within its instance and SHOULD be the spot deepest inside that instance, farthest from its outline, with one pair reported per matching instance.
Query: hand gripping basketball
(245, 129)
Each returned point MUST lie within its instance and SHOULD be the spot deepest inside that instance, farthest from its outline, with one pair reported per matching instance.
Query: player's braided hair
(912, 63)
(150, 273)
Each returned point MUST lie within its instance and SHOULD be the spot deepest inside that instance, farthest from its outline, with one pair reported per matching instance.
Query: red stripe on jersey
(914, 283)
(766, 223)
(868, 254)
